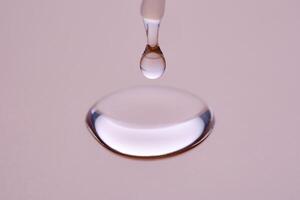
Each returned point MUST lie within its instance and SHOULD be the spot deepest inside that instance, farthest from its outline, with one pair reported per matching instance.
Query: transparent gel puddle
(150, 121)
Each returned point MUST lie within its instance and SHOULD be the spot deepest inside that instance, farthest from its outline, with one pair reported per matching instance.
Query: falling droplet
(153, 63)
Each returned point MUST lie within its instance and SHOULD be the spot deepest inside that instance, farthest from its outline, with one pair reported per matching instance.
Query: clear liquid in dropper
(153, 63)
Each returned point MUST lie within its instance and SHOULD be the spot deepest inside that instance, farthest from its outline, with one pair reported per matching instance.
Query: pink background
(58, 57)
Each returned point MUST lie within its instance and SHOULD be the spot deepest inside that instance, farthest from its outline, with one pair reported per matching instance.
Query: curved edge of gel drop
(206, 132)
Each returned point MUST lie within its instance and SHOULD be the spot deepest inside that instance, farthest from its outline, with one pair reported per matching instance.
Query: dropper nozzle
(153, 9)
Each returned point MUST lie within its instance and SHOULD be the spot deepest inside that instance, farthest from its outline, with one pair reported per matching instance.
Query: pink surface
(59, 57)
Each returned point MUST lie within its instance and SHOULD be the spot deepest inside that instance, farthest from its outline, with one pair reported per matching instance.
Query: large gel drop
(150, 121)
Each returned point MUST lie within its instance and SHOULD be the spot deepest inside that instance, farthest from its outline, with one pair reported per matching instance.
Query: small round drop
(153, 64)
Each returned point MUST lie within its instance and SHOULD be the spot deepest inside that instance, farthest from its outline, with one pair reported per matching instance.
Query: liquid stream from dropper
(153, 63)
